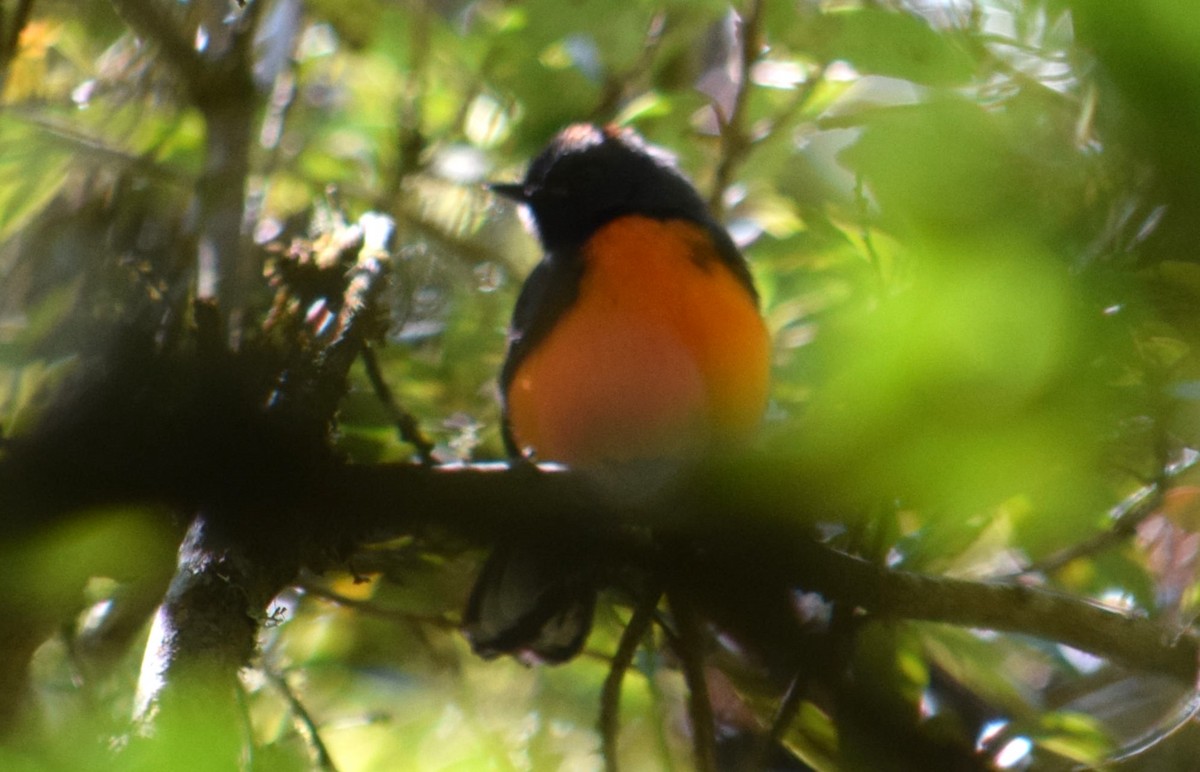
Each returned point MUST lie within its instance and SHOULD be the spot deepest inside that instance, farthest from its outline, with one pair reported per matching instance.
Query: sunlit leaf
(32, 170)
(883, 42)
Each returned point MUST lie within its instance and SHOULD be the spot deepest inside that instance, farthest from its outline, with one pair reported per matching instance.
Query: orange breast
(662, 354)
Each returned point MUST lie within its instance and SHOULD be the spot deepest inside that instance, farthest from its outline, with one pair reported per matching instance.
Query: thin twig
(659, 702)
(11, 39)
(475, 252)
(406, 423)
(863, 204)
(734, 139)
(356, 323)
(484, 502)
(610, 697)
(373, 609)
(785, 714)
(97, 150)
(247, 727)
(245, 30)
(149, 20)
(804, 92)
(305, 726)
(691, 655)
(618, 85)
(1126, 516)
(410, 137)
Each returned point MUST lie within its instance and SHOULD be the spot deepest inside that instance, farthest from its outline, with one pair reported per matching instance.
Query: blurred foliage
(973, 223)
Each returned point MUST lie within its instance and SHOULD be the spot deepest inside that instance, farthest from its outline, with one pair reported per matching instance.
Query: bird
(636, 344)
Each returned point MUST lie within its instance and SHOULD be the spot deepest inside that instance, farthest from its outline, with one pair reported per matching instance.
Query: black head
(588, 176)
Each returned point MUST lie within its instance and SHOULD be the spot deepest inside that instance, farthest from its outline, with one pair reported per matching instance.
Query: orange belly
(662, 355)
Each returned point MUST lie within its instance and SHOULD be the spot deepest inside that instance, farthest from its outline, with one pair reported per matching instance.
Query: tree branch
(1125, 519)
(1126, 516)
(741, 536)
(220, 85)
(203, 634)
(484, 501)
(234, 558)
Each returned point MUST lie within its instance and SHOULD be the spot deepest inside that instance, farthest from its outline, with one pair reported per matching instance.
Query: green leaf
(1076, 736)
(899, 45)
(33, 169)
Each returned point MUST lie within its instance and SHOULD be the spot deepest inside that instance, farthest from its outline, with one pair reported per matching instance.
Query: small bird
(636, 343)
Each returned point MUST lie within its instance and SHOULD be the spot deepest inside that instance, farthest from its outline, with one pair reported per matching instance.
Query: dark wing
(731, 255)
(532, 601)
(548, 292)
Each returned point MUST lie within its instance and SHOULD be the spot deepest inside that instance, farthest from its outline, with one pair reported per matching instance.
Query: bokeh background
(973, 224)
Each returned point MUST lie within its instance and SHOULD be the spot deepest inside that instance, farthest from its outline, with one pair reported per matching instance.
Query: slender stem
(11, 39)
(618, 85)
(734, 139)
(410, 137)
(406, 423)
(689, 649)
(1129, 514)
(1126, 518)
(150, 20)
(804, 92)
(305, 724)
(373, 609)
(610, 697)
(785, 714)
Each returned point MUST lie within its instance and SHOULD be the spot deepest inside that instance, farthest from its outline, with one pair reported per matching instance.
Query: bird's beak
(514, 191)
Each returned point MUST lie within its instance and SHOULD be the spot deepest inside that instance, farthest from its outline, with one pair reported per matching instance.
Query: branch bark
(754, 540)
(228, 570)
(220, 85)
(760, 546)
(203, 634)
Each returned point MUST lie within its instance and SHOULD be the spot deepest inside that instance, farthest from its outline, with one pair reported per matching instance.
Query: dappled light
(258, 270)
